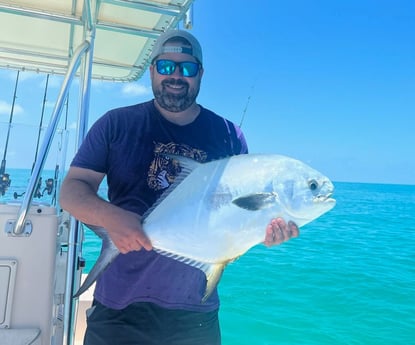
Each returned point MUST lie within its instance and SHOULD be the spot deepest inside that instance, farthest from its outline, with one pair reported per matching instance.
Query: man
(143, 297)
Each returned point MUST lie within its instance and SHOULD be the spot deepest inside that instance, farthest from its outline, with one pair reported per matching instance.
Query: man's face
(174, 92)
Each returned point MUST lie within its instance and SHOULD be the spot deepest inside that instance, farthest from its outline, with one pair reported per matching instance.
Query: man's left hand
(278, 231)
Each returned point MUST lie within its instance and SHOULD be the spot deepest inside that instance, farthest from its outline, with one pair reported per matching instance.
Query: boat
(41, 245)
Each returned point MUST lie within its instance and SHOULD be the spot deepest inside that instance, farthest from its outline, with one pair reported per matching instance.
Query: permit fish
(216, 211)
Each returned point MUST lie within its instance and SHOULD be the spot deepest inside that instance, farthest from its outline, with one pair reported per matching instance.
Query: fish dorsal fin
(257, 201)
(187, 165)
(213, 271)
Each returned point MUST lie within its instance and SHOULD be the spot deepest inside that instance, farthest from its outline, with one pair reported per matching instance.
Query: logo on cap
(175, 49)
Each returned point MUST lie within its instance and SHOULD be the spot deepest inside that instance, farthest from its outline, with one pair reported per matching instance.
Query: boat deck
(84, 302)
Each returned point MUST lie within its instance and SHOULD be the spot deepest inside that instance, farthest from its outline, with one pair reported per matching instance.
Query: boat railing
(51, 130)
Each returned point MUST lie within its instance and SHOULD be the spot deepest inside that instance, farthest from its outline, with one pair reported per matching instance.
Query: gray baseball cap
(160, 46)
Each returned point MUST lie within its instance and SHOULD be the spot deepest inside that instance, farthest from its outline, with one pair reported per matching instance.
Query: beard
(175, 102)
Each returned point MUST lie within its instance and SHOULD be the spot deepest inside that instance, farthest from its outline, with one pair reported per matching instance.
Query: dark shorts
(149, 324)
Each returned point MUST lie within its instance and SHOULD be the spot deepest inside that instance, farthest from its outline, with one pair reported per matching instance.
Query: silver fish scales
(216, 211)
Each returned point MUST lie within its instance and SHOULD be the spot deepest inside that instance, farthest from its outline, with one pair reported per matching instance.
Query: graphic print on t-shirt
(163, 170)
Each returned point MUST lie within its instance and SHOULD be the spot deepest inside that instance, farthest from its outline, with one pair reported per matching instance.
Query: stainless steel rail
(18, 228)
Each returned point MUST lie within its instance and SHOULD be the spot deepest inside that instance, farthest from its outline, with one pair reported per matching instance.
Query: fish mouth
(326, 198)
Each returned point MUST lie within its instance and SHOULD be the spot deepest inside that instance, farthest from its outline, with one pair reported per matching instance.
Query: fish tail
(108, 254)
(85, 285)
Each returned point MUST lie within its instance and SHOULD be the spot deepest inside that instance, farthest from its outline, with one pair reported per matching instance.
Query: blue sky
(331, 83)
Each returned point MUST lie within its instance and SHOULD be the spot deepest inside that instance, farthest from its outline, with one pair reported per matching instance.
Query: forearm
(79, 197)
(81, 200)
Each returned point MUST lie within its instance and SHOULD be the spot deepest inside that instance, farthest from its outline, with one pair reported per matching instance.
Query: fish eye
(313, 185)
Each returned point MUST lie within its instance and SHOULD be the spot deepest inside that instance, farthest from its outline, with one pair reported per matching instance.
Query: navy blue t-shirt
(125, 145)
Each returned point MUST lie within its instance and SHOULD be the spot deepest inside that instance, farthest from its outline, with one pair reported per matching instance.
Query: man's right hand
(79, 197)
(127, 232)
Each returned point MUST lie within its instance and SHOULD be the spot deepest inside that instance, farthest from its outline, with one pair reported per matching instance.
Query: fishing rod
(49, 182)
(41, 122)
(5, 180)
(57, 168)
(246, 107)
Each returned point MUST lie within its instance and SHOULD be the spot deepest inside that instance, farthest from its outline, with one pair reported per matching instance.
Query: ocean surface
(348, 279)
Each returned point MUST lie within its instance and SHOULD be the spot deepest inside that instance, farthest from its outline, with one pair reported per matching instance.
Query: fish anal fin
(255, 202)
(212, 271)
(213, 274)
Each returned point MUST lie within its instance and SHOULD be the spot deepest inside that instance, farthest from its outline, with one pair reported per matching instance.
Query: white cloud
(72, 125)
(5, 108)
(134, 89)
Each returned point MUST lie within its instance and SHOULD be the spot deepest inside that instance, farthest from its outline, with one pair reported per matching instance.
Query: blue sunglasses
(187, 68)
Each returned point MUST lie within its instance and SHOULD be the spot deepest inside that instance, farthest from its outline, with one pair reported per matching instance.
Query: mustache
(176, 82)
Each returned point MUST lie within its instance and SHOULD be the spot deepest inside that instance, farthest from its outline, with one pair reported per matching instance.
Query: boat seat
(19, 336)
(30, 305)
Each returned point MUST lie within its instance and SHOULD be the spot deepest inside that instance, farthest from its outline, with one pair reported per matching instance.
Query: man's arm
(79, 197)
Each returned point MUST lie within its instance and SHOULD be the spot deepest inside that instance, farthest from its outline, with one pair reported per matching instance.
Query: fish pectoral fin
(257, 201)
(213, 274)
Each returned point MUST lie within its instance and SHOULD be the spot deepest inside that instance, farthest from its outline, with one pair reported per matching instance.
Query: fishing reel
(49, 186)
(4, 183)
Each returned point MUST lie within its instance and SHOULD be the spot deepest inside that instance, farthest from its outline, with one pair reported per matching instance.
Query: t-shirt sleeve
(242, 140)
(93, 152)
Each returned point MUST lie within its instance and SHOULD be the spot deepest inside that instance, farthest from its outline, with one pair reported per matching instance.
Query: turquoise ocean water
(348, 279)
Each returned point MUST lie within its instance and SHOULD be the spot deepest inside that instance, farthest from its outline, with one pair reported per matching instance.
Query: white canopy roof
(42, 35)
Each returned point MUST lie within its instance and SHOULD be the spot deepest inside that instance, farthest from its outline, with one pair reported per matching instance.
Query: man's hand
(127, 233)
(278, 231)
(79, 197)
